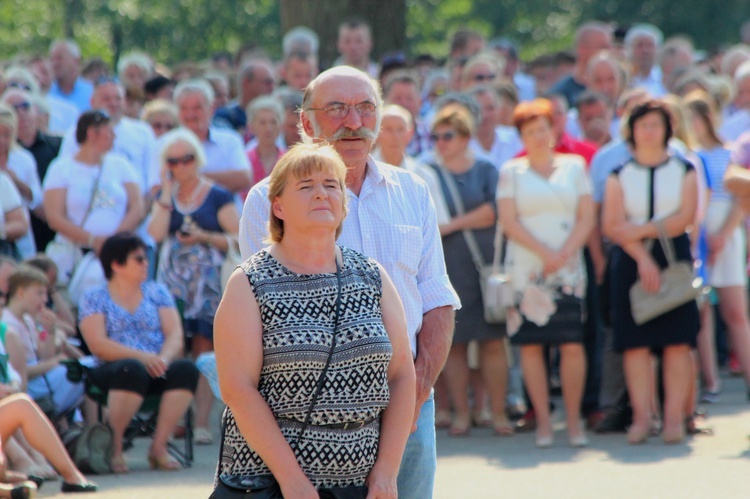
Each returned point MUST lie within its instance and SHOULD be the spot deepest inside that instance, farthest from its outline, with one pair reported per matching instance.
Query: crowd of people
(125, 194)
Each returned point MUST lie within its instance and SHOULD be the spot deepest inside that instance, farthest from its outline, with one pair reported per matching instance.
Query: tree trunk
(387, 18)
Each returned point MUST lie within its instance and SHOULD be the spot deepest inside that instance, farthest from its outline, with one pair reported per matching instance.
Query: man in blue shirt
(68, 85)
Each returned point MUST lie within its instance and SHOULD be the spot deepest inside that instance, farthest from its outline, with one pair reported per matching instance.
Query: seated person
(55, 301)
(36, 325)
(133, 328)
(18, 412)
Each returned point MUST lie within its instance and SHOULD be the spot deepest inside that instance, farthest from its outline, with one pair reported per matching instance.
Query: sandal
(460, 427)
(482, 419)
(164, 463)
(202, 436)
(502, 427)
(118, 465)
(26, 490)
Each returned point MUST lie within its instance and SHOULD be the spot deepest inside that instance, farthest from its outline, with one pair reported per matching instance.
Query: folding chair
(143, 423)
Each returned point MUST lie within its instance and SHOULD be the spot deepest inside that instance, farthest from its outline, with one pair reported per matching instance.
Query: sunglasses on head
(447, 136)
(180, 160)
(22, 106)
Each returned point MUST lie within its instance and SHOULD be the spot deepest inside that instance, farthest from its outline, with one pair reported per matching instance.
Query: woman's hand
(165, 175)
(381, 483)
(553, 261)
(626, 232)
(299, 489)
(649, 273)
(155, 366)
(190, 238)
(48, 321)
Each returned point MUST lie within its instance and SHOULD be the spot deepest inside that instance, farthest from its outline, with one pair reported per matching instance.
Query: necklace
(190, 205)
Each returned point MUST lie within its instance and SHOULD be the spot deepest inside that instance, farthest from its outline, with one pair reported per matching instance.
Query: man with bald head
(391, 219)
(65, 56)
(590, 38)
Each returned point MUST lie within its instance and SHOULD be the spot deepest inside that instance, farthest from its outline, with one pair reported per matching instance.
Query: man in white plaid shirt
(392, 220)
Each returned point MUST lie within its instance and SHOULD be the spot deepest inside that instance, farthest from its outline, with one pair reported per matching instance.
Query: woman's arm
(54, 208)
(481, 217)
(134, 213)
(585, 223)
(17, 355)
(171, 327)
(395, 423)
(15, 225)
(229, 221)
(239, 358)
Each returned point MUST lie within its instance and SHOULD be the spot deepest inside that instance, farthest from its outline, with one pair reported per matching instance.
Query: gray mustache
(348, 133)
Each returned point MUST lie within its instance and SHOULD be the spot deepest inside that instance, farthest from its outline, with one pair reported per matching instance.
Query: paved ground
(484, 466)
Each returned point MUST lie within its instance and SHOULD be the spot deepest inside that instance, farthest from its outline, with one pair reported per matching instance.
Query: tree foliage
(178, 30)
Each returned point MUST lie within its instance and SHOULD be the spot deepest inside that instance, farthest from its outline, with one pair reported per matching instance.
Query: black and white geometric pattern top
(297, 312)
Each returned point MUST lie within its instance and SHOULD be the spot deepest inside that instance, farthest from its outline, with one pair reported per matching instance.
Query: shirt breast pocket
(407, 247)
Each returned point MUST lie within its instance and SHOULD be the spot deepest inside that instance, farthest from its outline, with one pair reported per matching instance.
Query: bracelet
(164, 205)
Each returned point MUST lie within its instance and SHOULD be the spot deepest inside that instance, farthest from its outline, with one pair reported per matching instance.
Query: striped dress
(297, 312)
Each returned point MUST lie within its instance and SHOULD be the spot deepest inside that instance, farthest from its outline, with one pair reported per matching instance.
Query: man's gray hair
(138, 59)
(70, 45)
(641, 30)
(300, 39)
(194, 86)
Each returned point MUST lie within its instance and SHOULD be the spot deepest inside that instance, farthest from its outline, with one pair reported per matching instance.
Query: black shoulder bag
(266, 486)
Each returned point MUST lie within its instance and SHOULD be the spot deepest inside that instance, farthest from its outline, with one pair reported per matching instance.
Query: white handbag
(497, 293)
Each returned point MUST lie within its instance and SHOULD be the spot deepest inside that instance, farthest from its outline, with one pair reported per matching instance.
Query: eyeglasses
(162, 126)
(339, 110)
(22, 106)
(484, 77)
(447, 136)
(182, 160)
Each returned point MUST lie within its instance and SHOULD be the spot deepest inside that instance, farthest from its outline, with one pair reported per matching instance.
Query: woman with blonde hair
(468, 187)
(192, 217)
(333, 318)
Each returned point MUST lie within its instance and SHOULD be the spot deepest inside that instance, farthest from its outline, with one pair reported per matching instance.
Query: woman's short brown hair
(530, 110)
(300, 160)
(457, 117)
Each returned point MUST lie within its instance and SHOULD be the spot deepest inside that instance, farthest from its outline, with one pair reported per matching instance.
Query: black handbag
(266, 486)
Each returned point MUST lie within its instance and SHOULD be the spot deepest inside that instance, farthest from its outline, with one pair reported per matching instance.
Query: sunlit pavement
(484, 466)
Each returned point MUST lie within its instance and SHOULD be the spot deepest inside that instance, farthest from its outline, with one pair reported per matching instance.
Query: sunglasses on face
(161, 126)
(181, 160)
(484, 77)
(139, 258)
(447, 136)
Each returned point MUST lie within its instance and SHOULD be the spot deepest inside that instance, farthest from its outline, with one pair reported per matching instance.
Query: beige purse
(678, 285)
(497, 294)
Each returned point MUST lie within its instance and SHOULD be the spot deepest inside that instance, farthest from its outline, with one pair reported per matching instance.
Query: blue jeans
(416, 477)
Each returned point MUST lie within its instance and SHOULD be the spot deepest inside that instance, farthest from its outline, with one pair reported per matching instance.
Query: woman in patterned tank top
(273, 333)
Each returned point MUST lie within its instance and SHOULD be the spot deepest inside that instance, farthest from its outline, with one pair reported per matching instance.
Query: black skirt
(564, 326)
(678, 326)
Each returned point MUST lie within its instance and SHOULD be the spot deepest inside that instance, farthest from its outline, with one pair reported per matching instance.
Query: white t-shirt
(62, 115)
(111, 199)
(10, 199)
(134, 140)
(23, 164)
